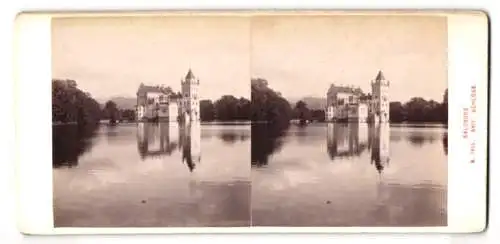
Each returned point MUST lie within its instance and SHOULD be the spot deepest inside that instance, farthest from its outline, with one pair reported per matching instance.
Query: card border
(468, 57)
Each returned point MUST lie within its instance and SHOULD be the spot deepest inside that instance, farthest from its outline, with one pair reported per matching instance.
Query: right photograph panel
(349, 120)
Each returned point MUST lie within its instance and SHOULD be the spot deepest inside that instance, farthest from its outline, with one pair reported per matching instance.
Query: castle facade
(348, 104)
(159, 103)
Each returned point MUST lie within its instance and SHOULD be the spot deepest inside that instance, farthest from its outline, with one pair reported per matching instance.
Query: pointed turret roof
(189, 75)
(380, 76)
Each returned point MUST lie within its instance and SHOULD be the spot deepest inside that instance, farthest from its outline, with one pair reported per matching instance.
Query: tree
(318, 115)
(421, 110)
(267, 105)
(416, 109)
(128, 114)
(70, 104)
(243, 109)
(302, 112)
(445, 97)
(226, 108)
(444, 107)
(300, 105)
(207, 110)
(111, 110)
(397, 112)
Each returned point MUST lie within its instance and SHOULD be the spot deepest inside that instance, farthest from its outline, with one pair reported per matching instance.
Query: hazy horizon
(302, 56)
(111, 56)
(298, 56)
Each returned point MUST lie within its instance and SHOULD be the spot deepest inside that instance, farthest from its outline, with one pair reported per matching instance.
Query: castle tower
(380, 99)
(190, 105)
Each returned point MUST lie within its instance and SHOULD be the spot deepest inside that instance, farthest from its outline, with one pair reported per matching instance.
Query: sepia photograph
(252, 121)
(350, 121)
(150, 121)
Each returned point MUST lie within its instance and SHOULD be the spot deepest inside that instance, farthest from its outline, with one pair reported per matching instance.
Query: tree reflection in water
(344, 140)
(267, 138)
(416, 139)
(69, 142)
(231, 137)
(419, 138)
(445, 142)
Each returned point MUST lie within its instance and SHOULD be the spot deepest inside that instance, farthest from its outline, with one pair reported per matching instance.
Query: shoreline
(395, 124)
(165, 122)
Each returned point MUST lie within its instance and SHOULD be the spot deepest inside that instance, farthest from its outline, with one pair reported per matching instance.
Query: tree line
(275, 111)
(268, 105)
(417, 110)
(226, 108)
(420, 110)
(72, 105)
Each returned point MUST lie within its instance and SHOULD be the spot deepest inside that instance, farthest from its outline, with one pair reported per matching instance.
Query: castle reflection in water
(352, 139)
(163, 139)
(343, 141)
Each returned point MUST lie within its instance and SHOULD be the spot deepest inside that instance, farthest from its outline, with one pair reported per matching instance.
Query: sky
(111, 56)
(303, 56)
(299, 56)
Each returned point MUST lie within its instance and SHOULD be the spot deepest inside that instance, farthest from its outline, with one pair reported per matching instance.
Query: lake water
(349, 175)
(166, 175)
(149, 175)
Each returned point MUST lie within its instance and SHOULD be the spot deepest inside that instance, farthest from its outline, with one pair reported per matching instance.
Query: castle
(159, 103)
(348, 104)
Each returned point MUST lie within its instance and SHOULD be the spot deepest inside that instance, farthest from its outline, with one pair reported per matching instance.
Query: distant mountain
(312, 102)
(121, 102)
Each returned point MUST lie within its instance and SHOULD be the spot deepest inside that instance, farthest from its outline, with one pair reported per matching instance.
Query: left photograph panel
(143, 108)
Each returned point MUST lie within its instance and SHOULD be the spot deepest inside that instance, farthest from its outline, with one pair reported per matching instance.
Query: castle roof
(380, 76)
(190, 75)
(345, 89)
(156, 89)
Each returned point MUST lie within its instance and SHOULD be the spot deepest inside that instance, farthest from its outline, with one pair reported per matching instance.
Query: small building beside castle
(349, 104)
(159, 103)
